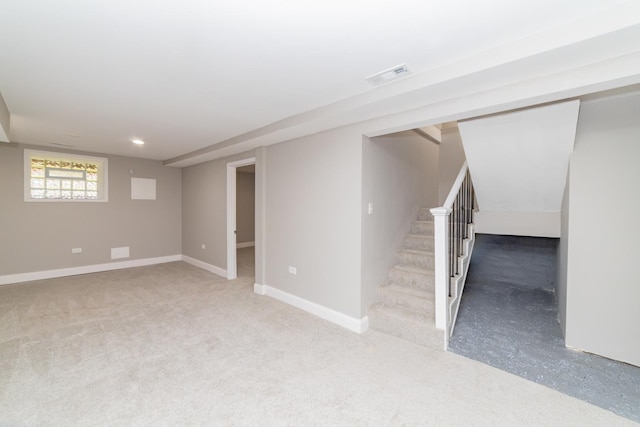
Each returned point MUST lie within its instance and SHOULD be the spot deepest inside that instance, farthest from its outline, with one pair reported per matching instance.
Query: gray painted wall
(451, 160)
(39, 236)
(603, 293)
(399, 174)
(204, 210)
(245, 207)
(312, 209)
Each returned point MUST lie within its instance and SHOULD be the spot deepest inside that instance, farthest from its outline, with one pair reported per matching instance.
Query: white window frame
(103, 174)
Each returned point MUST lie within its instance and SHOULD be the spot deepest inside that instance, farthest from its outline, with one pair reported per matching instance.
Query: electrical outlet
(76, 250)
(203, 246)
(293, 270)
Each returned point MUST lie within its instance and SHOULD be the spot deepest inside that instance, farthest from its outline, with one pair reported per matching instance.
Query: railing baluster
(452, 228)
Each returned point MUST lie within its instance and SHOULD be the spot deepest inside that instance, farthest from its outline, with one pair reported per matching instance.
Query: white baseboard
(205, 266)
(85, 269)
(351, 323)
(245, 245)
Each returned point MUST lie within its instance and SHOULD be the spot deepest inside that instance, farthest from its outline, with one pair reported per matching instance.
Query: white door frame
(232, 265)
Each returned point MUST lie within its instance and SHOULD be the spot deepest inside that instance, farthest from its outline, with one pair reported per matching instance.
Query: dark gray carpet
(508, 319)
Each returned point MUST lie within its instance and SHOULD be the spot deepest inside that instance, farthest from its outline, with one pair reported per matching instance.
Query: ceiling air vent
(390, 74)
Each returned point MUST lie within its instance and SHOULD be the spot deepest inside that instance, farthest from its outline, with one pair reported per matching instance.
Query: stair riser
(423, 228)
(425, 215)
(403, 278)
(405, 307)
(421, 243)
(408, 258)
(405, 301)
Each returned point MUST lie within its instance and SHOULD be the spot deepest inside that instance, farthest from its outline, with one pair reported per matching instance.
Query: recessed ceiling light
(138, 141)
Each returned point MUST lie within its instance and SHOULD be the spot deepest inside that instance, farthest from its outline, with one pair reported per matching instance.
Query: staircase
(405, 306)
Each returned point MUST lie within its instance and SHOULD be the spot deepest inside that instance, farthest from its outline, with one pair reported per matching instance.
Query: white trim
(245, 245)
(205, 266)
(460, 280)
(232, 266)
(103, 174)
(86, 269)
(351, 323)
(441, 265)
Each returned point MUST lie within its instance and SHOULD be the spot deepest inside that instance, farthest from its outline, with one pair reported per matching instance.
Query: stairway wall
(451, 158)
(399, 174)
(599, 274)
(518, 162)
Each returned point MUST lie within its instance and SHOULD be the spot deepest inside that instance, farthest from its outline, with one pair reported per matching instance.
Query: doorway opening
(240, 214)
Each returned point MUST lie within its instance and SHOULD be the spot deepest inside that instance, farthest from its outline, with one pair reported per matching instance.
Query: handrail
(448, 203)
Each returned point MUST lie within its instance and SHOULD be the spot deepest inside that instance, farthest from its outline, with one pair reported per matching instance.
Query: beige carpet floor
(172, 344)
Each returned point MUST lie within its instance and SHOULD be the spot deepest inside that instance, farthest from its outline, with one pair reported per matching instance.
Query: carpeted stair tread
(413, 269)
(416, 257)
(418, 328)
(411, 276)
(418, 241)
(405, 306)
(418, 252)
(406, 297)
(424, 228)
(403, 314)
(409, 290)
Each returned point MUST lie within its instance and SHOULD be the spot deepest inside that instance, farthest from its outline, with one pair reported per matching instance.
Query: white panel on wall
(143, 189)
(122, 252)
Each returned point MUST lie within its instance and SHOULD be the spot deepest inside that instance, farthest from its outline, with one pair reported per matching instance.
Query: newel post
(441, 250)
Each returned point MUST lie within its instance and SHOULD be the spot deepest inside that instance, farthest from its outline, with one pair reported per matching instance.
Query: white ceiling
(187, 75)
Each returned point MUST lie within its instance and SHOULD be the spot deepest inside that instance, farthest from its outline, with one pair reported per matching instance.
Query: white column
(441, 249)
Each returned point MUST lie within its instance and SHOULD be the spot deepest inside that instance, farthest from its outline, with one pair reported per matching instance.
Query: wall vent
(389, 75)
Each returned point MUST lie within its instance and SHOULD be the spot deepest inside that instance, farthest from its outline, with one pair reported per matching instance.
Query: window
(64, 177)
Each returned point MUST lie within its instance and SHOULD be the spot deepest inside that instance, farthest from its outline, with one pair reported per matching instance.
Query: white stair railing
(453, 243)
